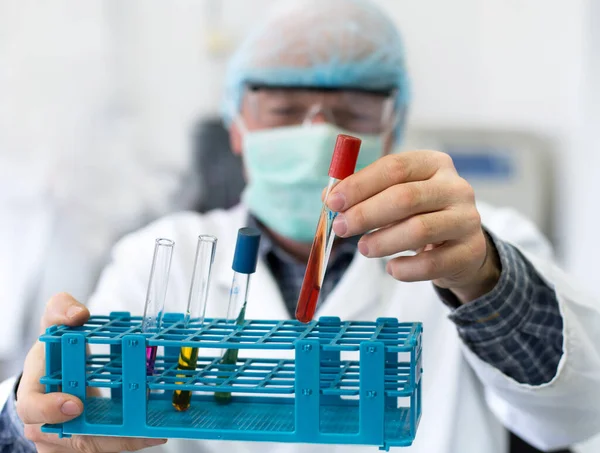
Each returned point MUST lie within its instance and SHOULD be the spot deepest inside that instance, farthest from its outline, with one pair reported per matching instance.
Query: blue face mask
(287, 170)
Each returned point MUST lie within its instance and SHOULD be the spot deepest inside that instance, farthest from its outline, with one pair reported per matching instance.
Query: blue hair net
(322, 44)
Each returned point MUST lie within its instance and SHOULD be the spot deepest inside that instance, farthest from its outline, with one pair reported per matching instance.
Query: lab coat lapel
(264, 298)
(358, 294)
(358, 291)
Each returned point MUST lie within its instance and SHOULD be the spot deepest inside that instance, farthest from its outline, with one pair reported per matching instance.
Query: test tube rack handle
(313, 396)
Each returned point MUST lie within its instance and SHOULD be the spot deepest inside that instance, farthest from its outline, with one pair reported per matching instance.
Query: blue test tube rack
(315, 397)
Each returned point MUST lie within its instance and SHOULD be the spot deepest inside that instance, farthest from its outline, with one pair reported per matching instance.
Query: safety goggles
(353, 110)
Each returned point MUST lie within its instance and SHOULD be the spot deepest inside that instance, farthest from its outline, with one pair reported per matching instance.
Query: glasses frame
(389, 116)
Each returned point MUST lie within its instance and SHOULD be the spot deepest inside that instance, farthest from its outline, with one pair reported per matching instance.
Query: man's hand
(35, 407)
(417, 201)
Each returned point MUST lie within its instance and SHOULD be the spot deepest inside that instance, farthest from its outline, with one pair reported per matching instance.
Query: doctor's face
(353, 111)
(287, 137)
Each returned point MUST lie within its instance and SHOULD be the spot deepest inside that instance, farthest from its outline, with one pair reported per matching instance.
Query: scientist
(521, 347)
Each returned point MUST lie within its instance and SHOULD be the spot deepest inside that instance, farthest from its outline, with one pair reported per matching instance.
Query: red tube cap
(344, 157)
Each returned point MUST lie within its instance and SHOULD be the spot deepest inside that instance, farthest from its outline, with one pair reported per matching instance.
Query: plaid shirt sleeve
(12, 437)
(517, 327)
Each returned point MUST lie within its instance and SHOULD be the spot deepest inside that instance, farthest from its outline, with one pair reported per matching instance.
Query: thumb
(64, 309)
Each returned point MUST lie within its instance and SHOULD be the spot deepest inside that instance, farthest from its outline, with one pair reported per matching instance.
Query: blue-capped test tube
(244, 265)
(156, 294)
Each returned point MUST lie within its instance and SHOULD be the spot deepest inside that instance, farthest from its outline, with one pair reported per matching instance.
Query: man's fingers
(33, 370)
(394, 204)
(447, 261)
(64, 309)
(109, 444)
(416, 233)
(36, 408)
(393, 169)
(33, 405)
(92, 444)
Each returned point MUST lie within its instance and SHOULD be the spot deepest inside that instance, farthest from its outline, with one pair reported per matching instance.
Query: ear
(235, 139)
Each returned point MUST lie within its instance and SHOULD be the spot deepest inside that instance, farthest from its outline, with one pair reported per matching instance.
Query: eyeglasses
(352, 110)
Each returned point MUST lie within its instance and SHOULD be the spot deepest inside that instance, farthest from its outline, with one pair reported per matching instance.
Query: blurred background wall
(494, 64)
(491, 64)
(98, 101)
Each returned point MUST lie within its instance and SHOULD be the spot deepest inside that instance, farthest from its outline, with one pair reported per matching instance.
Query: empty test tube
(244, 265)
(196, 309)
(157, 292)
(343, 163)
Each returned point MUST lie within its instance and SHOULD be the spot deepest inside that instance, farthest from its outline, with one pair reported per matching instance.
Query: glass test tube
(157, 292)
(343, 163)
(244, 265)
(196, 309)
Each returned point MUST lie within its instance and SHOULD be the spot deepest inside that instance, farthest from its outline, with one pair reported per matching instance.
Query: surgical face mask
(287, 170)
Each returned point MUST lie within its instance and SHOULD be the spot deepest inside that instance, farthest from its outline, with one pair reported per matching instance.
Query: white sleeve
(123, 283)
(6, 388)
(565, 410)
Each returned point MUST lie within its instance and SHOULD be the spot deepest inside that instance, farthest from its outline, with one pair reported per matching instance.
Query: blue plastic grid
(316, 397)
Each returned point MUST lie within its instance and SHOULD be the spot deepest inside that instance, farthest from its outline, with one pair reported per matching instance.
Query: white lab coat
(465, 401)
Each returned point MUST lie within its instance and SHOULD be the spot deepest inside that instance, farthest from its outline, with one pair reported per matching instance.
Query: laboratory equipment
(244, 265)
(314, 395)
(156, 294)
(196, 310)
(343, 163)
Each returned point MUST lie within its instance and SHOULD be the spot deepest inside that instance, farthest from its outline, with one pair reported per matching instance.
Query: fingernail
(154, 442)
(73, 311)
(363, 247)
(339, 225)
(388, 267)
(70, 408)
(336, 201)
